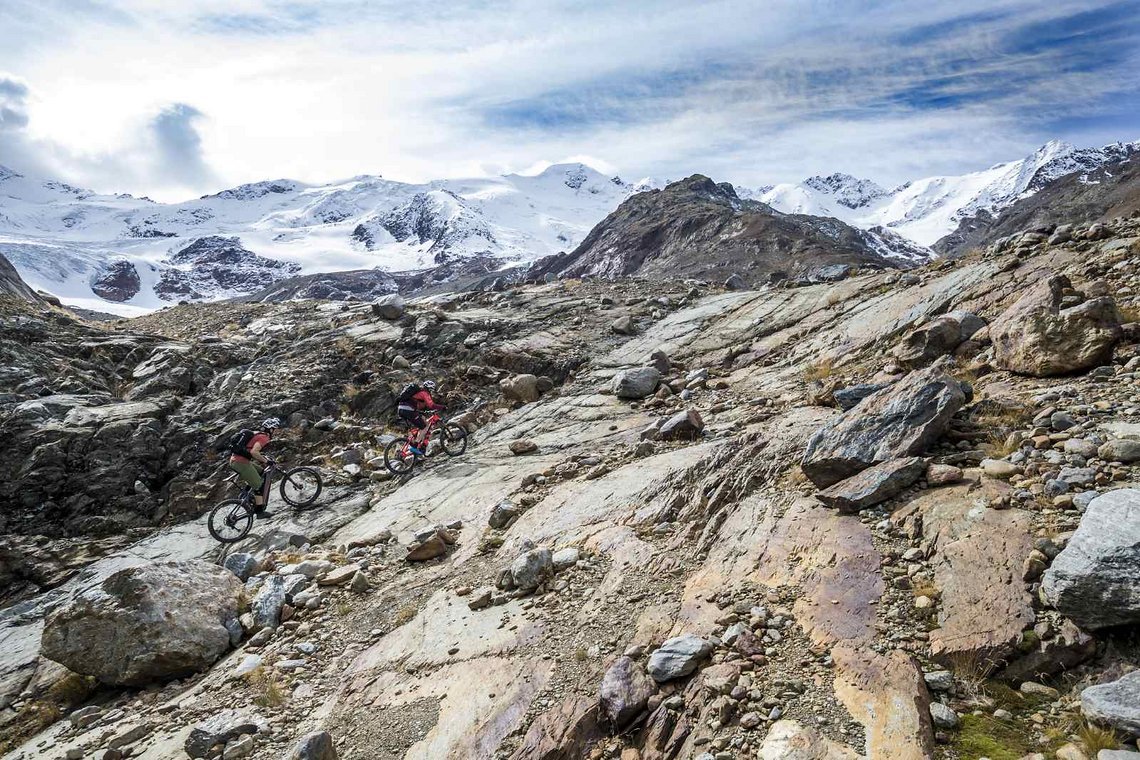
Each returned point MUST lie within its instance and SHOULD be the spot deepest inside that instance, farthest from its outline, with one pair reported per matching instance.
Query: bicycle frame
(432, 423)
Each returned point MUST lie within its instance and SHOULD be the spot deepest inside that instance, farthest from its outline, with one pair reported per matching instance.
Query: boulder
(388, 307)
(790, 740)
(873, 485)
(933, 340)
(523, 446)
(847, 398)
(522, 388)
(636, 383)
(624, 326)
(315, 746)
(1050, 657)
(943, 474)
(532, 568)
(899, 421)
(677, 657)
(1119, 450)
(1037, 337)
(502, 514)
(268, 601)
(1116, 703)
(682, 425)
(147, 623)
(1093, 580)
(217, 730)
(241, 564)
(427, 548)
(566, 731)
(625, 692)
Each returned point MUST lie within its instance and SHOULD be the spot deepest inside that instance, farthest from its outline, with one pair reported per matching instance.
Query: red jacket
(423, 400)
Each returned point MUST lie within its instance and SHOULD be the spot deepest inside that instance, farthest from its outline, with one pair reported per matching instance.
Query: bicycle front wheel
(301, 486)
(230, 521)
(398, 457)
(453, 439)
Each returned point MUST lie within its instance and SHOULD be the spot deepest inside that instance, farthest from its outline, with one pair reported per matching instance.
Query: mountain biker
(247, 446)
(411, 408)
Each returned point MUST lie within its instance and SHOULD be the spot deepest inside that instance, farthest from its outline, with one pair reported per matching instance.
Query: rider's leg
(252, 476)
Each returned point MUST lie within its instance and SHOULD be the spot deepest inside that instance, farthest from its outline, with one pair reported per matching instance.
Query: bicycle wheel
(398, 458)
(230, 521)
(301, 486)
(453, 439)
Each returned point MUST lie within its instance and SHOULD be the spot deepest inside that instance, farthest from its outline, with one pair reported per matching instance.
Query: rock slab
(873, 485)
(1116, 703)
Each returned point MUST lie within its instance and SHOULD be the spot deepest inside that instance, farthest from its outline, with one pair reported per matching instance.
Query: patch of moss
(985, 736)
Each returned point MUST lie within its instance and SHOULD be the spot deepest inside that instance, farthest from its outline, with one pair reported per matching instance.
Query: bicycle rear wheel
(301, 486)
(453, 439)
(398, 458)
(230, 521)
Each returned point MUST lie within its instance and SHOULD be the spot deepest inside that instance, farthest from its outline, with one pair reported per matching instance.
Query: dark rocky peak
(217, 265)
(255, 190)
(118, 281)
(848, 191)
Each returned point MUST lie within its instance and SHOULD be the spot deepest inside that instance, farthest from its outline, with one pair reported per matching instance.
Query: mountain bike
(399, 457)
(232, 520)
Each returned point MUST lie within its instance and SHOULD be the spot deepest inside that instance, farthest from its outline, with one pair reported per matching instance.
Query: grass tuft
(405, 614)
(268, 691)
(820, 370)
(1095, 738)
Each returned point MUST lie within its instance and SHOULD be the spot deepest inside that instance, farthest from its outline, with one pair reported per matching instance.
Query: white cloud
(745, 91)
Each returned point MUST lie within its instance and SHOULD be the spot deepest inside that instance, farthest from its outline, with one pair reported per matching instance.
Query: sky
(176, 99)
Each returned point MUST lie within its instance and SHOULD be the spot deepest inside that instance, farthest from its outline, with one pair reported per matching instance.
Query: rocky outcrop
(937, 338)
(353, 285)
(117, 281)
(1093, 580)
(214, 266)
(1043, 335)
(12, 284)
(899, 421)
(147, 623)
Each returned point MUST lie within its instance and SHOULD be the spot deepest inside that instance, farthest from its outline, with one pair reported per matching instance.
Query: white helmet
(429, 385)
(271, 423)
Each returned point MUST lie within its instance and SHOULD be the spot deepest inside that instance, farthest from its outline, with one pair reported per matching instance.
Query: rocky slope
(698, 228)
(864, 518)
(1089, 195)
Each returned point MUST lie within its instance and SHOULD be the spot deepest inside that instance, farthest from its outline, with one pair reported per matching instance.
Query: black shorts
(412, 417)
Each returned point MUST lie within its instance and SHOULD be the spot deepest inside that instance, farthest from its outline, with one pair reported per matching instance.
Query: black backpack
(239, 442)
(406, 393)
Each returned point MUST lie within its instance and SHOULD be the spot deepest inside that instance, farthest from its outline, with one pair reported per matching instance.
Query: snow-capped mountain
(126, 254)
(925, 210)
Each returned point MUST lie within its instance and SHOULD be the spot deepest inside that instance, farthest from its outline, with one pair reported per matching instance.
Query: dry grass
(31, 718)
(346, 346)
(405, 614)
(821, 370)
(342, 607)
(926, 588)
(1129, 313)
(490, 544)
(267, 688)
(970, 669)
(580, 654)
(1094, 738)
(999, 445)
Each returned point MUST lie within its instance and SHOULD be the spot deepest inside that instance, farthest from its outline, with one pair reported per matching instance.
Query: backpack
(239, 442)
(406, 393)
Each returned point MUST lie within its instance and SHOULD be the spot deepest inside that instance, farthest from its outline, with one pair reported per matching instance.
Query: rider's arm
(255, 453)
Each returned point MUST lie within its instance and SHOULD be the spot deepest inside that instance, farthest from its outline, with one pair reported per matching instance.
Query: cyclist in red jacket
(411, 410)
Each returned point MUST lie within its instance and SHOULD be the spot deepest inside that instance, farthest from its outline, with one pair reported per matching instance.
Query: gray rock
(532, 568)
(1120, 450)
(899, 421)
(937, 338)
(943, 716)
(267, 603)
(939, 680)
(624, 326)
(1116, 703)
(735, 282)
(359, 583)
(847, 398)
(522, 388)
(238, 748)
(502, 514)
(636, 383)
(1093, 580)
(874, 485)
(1050, 657)
(315, 746)
(121, 630)
(1117, 754)
(1036, 336)
(241, 564)
(625, 692)
(389, 307)
(565, 558)
(218, 729)
(678, 657)
(682, 425)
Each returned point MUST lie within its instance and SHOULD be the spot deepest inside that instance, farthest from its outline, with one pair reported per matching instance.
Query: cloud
(13, 94)
(746, 91)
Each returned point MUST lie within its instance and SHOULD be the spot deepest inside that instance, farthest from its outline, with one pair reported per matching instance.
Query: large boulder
(874, 485)
(1036, 336)
(389, 307)
(315, 746)
(899, 421)
(937, 338)
(636, 383)
(522, 388)
(678, 657)
(625, 692)
(1095, 580)
(530, 569)
(1116, 703)
(686, 425)
(147, 623)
